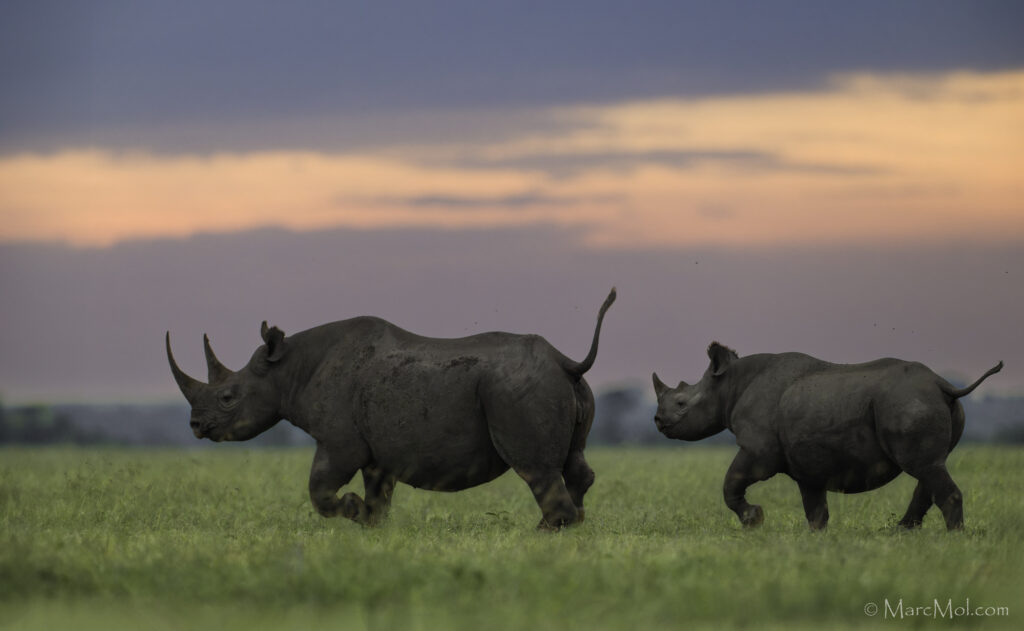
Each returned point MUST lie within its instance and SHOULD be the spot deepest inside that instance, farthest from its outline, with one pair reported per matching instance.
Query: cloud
(240, 76)
(508, 201)
(568, 164)
(891, 158)
(456, 201)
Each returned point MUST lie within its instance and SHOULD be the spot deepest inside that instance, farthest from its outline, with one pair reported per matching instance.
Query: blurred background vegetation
(624, 416)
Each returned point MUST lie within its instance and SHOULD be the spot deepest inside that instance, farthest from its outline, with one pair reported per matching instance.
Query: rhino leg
(744, 471)
(919, 437)
(924, 458)
(535, 437)
(944, 493)
(555, 503)
(379, 485)
(578, 477)
(332, 470)
(919, 505)
(815, 506)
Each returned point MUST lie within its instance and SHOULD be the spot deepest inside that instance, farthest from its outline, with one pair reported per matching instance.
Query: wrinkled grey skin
(442, 414)
(830, 427)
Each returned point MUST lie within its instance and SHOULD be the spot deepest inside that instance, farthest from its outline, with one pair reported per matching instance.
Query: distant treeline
(121, 424)
(40, 425)
(624, 416)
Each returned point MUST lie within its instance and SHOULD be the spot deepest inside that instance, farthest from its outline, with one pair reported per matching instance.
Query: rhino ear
(721, 357)
(273, 337)
(659, 387)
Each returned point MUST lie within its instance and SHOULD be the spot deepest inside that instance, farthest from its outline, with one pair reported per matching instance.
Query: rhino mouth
(202, 433)
(664, 424)
(205, 430)
(217, 436)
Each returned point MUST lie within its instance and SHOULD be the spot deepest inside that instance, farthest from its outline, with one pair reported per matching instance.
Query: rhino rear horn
(189, 387)
(217, 371)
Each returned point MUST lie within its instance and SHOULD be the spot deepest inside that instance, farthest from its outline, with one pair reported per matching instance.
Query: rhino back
(839, 396)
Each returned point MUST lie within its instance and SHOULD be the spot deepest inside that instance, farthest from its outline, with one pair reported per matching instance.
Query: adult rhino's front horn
(189, 386)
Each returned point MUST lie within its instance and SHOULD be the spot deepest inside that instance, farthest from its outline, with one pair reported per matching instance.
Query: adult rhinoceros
(442, 414)
(830, 427)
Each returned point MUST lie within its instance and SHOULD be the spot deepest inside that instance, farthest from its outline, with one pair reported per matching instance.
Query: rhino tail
(963, 392)
(576, 369)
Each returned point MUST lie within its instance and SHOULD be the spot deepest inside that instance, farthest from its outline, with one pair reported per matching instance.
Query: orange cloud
(867, 158)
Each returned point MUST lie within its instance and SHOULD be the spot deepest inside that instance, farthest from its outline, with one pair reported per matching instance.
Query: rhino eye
(226, 398)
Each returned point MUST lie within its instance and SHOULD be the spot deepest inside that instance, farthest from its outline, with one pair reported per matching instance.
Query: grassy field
(227, 539)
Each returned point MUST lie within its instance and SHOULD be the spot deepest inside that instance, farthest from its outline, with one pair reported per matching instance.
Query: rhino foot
(353, 507)
(544, 526)
(752, 516)
(555, 522)
(555, 525)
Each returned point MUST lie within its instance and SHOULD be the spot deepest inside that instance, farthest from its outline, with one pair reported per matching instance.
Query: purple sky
(835, 178)
(89, 323)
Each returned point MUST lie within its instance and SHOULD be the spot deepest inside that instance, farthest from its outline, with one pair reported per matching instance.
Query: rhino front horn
(189, 387)
(216, 371)
(659, 387)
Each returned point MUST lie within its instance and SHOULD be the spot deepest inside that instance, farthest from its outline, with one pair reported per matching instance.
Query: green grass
(227, 539)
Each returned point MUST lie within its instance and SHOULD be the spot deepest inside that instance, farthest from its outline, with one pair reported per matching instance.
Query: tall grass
(227, 538)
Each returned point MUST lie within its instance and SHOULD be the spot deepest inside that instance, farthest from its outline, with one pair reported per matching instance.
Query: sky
(841, 179)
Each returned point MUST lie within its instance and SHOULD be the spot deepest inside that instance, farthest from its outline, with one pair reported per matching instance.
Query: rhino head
(234, 405)
(694, 412)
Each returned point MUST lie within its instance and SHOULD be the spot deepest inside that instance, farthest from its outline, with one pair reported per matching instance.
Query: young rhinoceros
(442, 414)
(830, 427)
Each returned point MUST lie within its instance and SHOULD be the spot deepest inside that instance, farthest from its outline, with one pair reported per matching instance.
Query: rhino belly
(847, 476)
(435, 440)
(475, 469)
(445, 462)
(840, 456)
